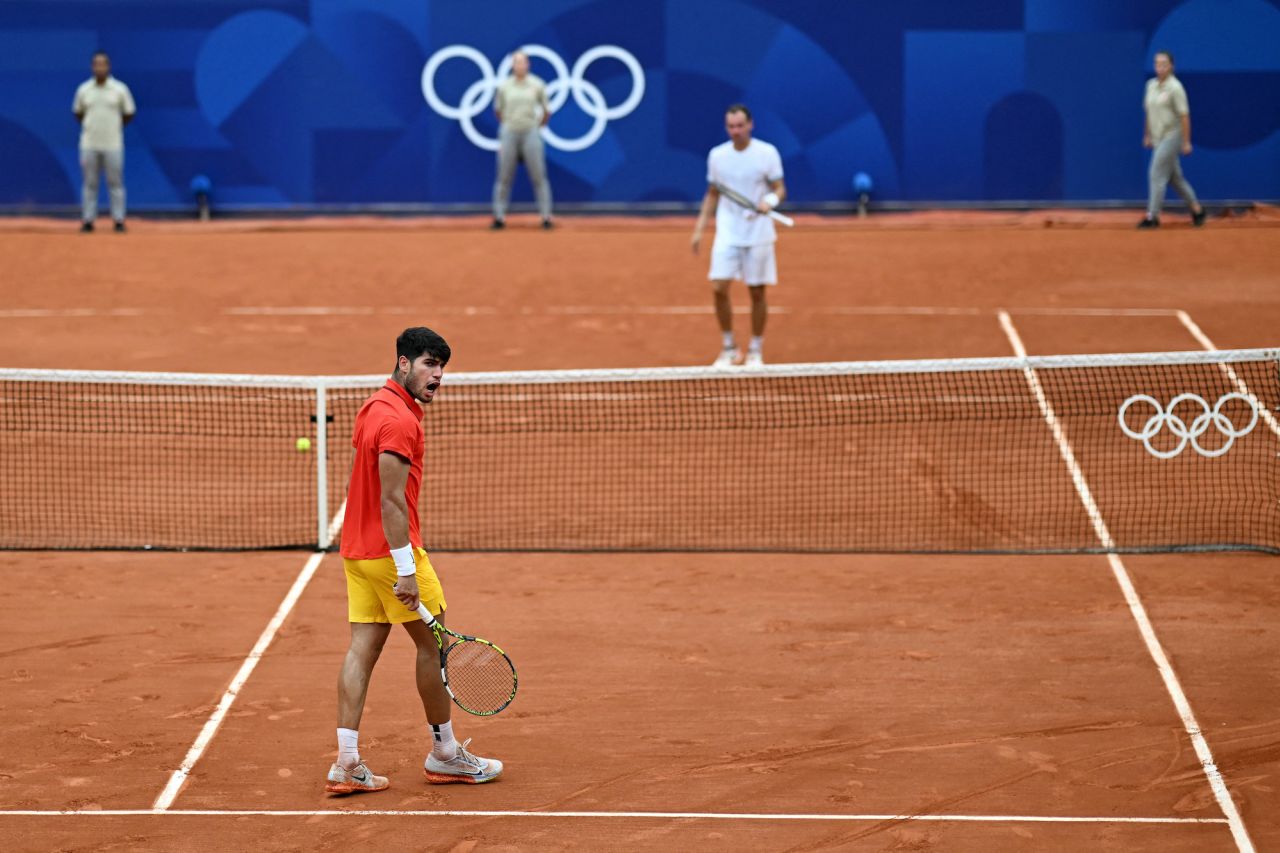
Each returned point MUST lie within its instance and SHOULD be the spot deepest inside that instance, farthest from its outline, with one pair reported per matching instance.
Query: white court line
(211, 726)
(300, 311)
(1170, 678)
(681, 310)
(581, 310)
(1196, 332)
(937, 818)
(1095, 312)
(24, 313)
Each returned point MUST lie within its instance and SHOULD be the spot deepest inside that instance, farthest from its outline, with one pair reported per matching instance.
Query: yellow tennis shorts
(371, 599)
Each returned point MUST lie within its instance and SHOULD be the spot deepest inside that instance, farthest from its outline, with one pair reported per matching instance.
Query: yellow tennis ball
(302, 445)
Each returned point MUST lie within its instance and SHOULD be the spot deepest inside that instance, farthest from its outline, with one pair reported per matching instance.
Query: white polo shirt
(104, 107)
(1166, 104)
(521, 102)
(750, 172)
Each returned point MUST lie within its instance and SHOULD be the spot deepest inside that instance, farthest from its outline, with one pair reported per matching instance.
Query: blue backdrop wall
(358, 101)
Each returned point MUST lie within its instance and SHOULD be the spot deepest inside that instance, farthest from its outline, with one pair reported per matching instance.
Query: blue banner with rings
(296, 103)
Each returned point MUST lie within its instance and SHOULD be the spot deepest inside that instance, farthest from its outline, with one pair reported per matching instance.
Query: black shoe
(1197, 219)
(119, 226)
(547, 225)
(86, 227)
(497, 224)
(1150, 222)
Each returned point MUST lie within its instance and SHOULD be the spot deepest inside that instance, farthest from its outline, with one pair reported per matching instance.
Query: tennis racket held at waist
(479, 676)
(742, 201)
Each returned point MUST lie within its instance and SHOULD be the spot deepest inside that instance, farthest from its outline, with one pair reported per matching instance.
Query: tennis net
(1142, 452)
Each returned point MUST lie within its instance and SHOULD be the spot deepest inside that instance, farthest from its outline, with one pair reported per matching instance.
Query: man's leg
(1162, 158)
(761, 271)
(367, 640)
(724, 316)
(435, 699)
(349, 775)
(113, 162)
(89, 187)
(724, 307)
(759, 310)
(533, 154)
(508, 154)
(759, 314)
(1184, 189)
(448, 762)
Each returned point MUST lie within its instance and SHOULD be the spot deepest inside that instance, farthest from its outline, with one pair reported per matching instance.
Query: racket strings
(480, 677)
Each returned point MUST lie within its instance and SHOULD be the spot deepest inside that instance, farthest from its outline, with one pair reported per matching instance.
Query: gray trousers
(1165, 170)
(92, 162)
(516, 145)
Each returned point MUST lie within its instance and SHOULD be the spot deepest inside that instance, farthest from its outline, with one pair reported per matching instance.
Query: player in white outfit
(743, 246)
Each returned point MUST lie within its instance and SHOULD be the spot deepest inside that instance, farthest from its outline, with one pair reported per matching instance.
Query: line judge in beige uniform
(522, 109)
(1167, 134)
(103, 106)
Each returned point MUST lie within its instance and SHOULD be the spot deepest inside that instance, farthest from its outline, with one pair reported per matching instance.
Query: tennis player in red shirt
(388, 571)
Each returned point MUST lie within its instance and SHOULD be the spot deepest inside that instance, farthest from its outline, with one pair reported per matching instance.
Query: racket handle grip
(425, 614)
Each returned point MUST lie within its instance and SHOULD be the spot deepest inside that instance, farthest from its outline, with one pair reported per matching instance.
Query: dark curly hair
(416, 340)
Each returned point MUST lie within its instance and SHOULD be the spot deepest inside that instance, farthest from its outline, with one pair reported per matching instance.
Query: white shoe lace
(466, 756)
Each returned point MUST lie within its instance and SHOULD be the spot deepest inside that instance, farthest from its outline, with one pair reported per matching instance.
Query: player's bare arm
(709, 202)
(393, 474)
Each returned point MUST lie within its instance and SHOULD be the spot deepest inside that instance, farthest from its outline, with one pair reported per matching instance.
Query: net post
(322, 469)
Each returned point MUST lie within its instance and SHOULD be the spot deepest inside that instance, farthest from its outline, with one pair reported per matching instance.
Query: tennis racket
(479, 676)
(742, 201)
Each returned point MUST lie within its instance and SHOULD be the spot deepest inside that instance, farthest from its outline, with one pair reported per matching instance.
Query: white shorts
(753, 265)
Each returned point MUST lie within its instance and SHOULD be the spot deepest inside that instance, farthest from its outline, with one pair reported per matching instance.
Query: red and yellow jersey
(389, 422)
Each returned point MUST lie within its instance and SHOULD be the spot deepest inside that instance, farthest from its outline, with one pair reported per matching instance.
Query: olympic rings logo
(588, 97)
(1162, 418)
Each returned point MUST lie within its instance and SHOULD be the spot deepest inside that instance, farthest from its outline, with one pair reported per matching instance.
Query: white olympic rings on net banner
(479, 95)
(1163, 417)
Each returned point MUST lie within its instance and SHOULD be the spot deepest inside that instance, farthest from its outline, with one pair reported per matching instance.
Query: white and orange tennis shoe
(357, 780)
(464, 767)
(754, 358)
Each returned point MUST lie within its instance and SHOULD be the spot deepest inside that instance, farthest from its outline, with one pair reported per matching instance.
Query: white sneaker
(728, 357)
(357, 780)
(754, 359)
(463, 767)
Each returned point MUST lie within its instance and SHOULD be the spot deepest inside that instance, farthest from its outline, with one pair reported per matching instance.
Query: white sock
(443, 746)
(348, 751)
(757, 344)
(726, 339)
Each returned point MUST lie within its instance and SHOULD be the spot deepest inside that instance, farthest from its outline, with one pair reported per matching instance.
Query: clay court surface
(670, 701)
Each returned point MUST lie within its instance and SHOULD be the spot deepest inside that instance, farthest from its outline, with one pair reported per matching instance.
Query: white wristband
(771, 199)
(405, 566)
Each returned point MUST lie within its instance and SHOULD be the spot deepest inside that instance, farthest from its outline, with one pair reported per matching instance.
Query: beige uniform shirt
(104, 109)
(1166, 104)
(521, 103)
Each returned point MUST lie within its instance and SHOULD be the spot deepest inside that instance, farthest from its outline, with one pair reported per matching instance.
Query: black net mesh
(958, 457)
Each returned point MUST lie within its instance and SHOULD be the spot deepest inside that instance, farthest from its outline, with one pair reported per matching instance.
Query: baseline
(745, 816)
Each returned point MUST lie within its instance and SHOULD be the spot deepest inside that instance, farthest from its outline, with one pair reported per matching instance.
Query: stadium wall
(296, 104)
